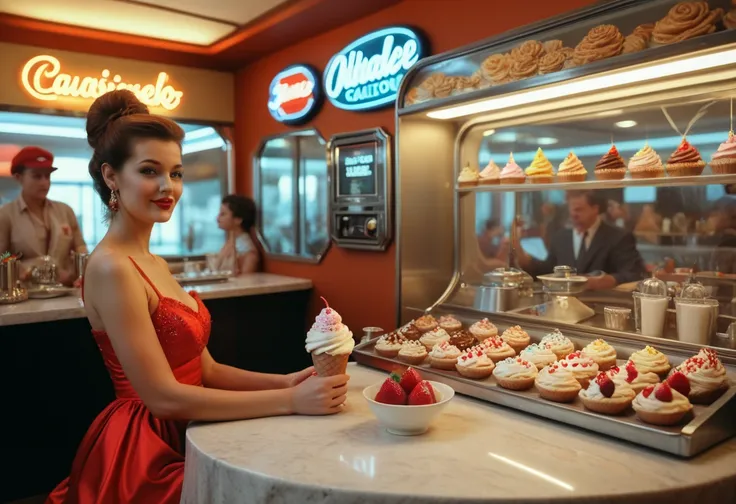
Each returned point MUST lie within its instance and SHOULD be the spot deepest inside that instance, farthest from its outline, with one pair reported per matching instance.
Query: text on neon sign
(42, 78)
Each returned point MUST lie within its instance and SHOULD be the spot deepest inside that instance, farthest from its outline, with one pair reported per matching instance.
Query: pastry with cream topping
(538, 354)
(330, 343)
(431, 338)
(474, 364)
(602, 353)
(651, 360)
(646, 164)
(611, 166)
(412, 352)
(685, 161)
(426, 323)
(512, 172)
(497, 349)
(468, 176)
(606, 396)
(571, 169)
(463, 340)
(514, 373)
(557, 383)
(490, 175)
(633, 377)
(483, 329)
(450, 324)
(583, 368)
(389, 345)
(724, 159)
(558, 343)
(661, 405)
(410, 331)
(540, 171)
(707, 376)
(444, 356)
(516, 337)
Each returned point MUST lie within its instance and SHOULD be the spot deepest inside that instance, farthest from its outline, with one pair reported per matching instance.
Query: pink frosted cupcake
(512, 172)
(490, 175)
(724, 160)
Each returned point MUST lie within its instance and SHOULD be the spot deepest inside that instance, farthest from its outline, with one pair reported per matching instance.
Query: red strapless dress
(128, 455)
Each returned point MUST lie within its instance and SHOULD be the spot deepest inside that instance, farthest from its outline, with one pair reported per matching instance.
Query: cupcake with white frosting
(651, 360)
(707, 376)
(604, 395)
(444, 356)
(474, 364)
(661, 405)
(515, 373)
(483, 329)
(538, 354)
(583, 368)
(496, 348)
(558, 343)
(412, 352)
(602, 353)
(516, 337)
(630, 375)
(431, 338)
(557, 383)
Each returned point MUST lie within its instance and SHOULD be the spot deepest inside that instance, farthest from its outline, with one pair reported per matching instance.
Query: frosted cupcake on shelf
(611, 166)
(389, 345)
(514, 373)
(685, 161)
(556, 383)
(444, 356)
(516, 337)
(450, 324)
(431, 338)
(426, 323)
(633, 377)
(661, 405)
(583, 368)
(490, 175)
(646, 164)
(706, 376)
(497, 349)
(603, 395)
(512, 172)
(468, 176)
(558, 343)
(410, 331)
(412, 352)
(602, 353)
(538, 354)
(474, 364)
(463, 340)
(483, 329)
(651, 360)
(571, 169)
(540, 171)
(724, 159)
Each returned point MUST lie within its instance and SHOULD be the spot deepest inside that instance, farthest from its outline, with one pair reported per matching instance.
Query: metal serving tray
(704, 428)
(202, 277)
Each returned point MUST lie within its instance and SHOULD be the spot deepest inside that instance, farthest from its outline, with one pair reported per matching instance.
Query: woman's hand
(294, 379)
(319, 396)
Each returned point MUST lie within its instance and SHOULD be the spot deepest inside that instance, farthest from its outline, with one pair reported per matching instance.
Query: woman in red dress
(151, 333)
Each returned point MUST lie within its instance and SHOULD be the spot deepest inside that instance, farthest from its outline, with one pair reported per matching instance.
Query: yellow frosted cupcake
(540, 171)
(468, 177)
(646, 164)
(571, 169)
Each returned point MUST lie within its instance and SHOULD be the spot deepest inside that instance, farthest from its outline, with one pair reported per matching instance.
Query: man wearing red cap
(34, 225)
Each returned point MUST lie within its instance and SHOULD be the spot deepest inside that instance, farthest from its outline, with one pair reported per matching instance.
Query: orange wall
(361, 285)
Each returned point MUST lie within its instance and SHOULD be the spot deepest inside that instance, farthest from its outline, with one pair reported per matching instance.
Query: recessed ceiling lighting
(626, 124)
(489, 132)
(547, 140)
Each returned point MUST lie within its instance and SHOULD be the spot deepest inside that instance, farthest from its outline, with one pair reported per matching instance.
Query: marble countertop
(474, 452)
(70, 307)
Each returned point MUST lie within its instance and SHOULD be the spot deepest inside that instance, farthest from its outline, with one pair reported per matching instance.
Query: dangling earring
(113, 204)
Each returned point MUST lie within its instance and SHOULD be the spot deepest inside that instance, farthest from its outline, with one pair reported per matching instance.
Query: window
(292, 193)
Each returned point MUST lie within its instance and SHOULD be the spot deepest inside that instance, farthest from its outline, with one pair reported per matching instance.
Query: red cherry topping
(465, 357)
(613, 151)
(551, 369)
(679, 382)
(648, 391)
(632, 372)
(605, 384)
(685, 145)
(574, 364)
(563, 363)
(663, 392)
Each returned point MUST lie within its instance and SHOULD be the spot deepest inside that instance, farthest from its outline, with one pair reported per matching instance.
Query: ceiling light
(40, 130)
(595, 83)
(202, 145)
(489, 132)
(626, 124)
(547, 140)
(505, 137)
(199, 133)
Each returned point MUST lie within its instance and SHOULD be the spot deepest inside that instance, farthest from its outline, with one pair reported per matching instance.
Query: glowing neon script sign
(42, 78)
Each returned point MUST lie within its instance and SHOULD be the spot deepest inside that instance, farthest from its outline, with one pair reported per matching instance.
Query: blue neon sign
(294, 94)
(366, 74)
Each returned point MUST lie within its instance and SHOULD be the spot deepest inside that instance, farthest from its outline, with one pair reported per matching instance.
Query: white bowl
(408, 420)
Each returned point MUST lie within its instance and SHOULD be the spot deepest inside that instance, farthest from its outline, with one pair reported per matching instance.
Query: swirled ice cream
(329, 335)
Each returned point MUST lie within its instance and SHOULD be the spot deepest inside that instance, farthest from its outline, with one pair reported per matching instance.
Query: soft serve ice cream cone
(330, 342)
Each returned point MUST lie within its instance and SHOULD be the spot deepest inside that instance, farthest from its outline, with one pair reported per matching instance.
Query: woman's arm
(125, 315)
(248, 262)
(221, 376)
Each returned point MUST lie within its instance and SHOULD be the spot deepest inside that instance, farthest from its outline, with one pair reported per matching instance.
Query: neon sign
(42, 78)
(294, 94)
(366, 74)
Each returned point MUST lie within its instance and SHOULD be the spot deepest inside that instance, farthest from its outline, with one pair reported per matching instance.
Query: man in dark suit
(592, 245)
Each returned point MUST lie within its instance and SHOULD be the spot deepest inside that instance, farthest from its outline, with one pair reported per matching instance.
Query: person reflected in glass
(237, 217)
(36, 226)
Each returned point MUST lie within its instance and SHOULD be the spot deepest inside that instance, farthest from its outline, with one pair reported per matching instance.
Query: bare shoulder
(162, 262)
(106, 265)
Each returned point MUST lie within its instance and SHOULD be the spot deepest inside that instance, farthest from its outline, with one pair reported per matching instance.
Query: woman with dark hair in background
(237, 217)
(151, 333)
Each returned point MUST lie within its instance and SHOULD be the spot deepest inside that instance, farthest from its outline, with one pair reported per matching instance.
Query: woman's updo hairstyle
(114, 121)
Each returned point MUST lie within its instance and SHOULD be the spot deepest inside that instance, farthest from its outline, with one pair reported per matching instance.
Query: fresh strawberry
(632, 372)
(422, 394)
(409, 380)
(663, 392)
(391, 392)
(647, 391)
(605, 384)
(679, 382)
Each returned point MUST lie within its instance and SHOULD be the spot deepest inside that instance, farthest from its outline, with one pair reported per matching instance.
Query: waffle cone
(330, 365)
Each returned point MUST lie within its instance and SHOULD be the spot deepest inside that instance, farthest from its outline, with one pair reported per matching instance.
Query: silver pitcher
(11, 290)
(501, 290)
(80, 263)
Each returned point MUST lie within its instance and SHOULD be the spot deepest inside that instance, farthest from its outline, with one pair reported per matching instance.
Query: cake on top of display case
(625, 31)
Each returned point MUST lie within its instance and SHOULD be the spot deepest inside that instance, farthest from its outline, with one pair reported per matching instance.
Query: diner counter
(71, 307)
(474, 452)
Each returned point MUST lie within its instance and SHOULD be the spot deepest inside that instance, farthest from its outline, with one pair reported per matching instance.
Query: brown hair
(114, 120)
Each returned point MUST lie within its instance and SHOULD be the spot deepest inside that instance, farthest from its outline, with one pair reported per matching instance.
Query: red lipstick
(164, 203)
